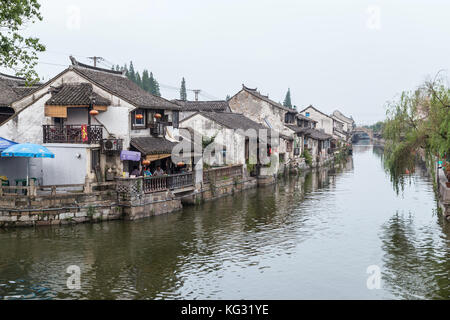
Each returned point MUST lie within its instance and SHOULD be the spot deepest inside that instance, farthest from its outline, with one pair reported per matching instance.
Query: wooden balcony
(72, 134)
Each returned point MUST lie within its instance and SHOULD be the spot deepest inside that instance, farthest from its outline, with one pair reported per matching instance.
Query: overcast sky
(347, 55)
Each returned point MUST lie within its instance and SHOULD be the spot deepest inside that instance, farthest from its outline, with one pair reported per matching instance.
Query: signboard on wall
(84, 133)
(130, 155)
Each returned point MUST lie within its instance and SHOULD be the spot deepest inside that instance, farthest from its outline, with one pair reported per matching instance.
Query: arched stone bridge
(358, 131)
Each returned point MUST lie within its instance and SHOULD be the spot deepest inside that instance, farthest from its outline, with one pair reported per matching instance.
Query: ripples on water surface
(307, 237)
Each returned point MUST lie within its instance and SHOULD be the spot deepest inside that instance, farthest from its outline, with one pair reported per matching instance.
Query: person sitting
(147, 172)
(158, 171)
(135, 172)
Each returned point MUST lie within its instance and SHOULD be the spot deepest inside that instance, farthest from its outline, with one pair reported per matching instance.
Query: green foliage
(207, 141)
(250, 166)
(418, 123)
(90, 211)
(146, 82)
(154, 86)
(307, 156)
(131, 74)
(138, 79)
(376, 127)
(287, 100)
(19, 52)
(183, 93)
(341, 156)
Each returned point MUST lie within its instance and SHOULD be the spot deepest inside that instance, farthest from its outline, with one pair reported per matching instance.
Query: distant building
(348, 123)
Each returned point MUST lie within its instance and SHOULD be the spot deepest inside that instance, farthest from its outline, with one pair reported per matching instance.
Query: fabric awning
(154, 157)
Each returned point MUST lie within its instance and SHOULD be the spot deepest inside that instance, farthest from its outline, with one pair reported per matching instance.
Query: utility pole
(95, 59)
(197, 91)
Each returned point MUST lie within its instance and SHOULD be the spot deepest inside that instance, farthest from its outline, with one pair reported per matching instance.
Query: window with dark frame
(138, 122)
(175, 119)
(95, 159)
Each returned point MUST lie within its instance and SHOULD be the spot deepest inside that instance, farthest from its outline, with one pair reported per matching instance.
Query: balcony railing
(72, 134)
(132, 186)
(181, 180)
(155, 184)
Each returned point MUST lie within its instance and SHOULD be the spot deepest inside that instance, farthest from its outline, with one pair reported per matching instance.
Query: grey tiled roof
(239, 121)
(342, 117)
(12, 89)
(258, 95)
(118, 84)
(152, 145)
(302, 117)
(233, 120)
(313, 133)
(295, 128)
(217, 106)
(76, 94)
(316, 134)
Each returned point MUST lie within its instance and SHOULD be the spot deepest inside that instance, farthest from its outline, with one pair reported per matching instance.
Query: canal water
(326, 235)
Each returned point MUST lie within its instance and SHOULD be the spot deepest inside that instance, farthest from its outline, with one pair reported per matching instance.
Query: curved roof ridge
(76, 63)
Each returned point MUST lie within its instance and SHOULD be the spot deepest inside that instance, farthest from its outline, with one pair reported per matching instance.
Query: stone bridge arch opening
(361, 132)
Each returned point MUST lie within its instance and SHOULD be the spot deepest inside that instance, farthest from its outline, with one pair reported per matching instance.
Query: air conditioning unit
(111, 145)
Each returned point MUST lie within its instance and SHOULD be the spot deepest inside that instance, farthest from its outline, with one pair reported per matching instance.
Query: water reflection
(309, 236)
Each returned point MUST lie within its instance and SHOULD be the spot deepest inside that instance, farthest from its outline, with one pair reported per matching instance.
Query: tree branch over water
(417, 125)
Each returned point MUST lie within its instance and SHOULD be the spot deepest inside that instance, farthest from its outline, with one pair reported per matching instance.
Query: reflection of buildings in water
(360, 148)
(378, 151)
(349, 164)
(413, 265)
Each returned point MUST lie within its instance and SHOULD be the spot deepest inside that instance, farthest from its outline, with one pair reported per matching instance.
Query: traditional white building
(323, 121)
(233, 137)
(87, 116)
(348, 123)
(268, 113)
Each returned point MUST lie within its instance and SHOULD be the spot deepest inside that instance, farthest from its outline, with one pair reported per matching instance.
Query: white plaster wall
(185, 114)
(65, 168)
(26, 127)
(258, 110)
(323, 122)
(234, 143)
(116, 121)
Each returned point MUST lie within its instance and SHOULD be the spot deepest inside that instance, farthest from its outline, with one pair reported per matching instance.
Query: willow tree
(417, 125)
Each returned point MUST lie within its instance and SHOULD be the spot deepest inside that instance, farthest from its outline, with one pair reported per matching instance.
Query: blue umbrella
(27, 150)
(5, 143)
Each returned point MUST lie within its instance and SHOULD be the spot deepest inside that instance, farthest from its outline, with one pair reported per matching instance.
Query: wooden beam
(55, 111)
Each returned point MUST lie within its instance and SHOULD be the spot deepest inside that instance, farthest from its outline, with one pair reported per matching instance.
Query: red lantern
(145, 162)
(139, 116)
(93, 112)
(158, 116)
(180, 164)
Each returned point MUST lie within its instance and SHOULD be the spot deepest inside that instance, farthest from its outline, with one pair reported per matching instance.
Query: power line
(95, 59)
(53, 64)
